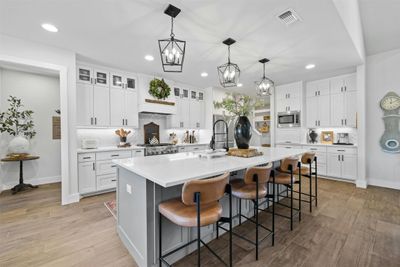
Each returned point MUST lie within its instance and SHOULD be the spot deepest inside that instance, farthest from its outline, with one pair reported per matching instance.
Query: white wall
(26, 52)
(40, 93)
(383, 169)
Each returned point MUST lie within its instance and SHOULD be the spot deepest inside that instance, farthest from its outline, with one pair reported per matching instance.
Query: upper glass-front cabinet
(130, 83)
(201, 96)
(116, 81)
(177, 92)
(101, 77)
(84, 74)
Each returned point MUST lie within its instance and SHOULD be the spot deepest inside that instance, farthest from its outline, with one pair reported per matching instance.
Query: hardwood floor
(350, 227)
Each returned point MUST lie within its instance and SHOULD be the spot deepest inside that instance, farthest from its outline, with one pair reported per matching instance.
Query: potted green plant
(18, 123)
(239, 106)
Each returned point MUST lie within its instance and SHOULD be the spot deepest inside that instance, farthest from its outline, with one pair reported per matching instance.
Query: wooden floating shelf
(161, 102)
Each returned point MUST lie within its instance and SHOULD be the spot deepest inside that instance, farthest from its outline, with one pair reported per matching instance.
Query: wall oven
(289, 119)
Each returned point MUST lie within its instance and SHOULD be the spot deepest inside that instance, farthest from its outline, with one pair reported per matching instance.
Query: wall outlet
(129, 188)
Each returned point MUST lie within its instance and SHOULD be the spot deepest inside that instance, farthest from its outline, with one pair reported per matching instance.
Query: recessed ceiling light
(149, 57)
(239, 85)
(204, 74)
(310, 66)
(49, 27)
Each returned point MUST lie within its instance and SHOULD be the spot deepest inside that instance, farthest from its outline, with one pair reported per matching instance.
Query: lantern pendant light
(229, 73)
(172, 50)
(266, 86)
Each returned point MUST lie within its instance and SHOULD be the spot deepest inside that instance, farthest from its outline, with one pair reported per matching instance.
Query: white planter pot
(19, 145)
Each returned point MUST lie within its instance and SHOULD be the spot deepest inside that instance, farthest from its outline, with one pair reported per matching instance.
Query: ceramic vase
(18, 145)
(243, 132)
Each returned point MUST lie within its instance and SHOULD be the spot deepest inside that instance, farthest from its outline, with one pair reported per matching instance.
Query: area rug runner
(112, 207)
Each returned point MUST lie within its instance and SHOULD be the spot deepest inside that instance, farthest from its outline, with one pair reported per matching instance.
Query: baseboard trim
(34, 181)
(69, 199)
(361, 184)
(384, 183)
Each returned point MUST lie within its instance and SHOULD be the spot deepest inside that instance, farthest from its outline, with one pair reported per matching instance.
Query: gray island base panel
(146, 181)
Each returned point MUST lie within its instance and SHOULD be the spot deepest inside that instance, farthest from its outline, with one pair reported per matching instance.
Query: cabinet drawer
(106, 181)
(343, 150)
(105, 167)
(113, 155)
(182, 149)
(138, 153)
(86, 157)
(288, 146)
(315, 148)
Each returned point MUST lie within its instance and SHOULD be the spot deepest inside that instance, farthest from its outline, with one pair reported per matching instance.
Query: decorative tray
(244, 153)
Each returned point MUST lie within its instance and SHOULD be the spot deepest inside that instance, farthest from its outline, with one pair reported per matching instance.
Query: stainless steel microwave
(289, 119)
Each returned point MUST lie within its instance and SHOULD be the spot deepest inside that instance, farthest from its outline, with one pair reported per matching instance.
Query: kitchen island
(146, 181)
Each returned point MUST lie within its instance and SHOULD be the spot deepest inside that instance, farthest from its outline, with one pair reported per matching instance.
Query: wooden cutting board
(244, 153)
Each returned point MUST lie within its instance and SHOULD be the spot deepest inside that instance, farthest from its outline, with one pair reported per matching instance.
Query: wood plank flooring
(350, 227)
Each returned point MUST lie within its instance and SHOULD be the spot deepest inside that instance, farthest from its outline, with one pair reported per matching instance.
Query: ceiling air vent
(289, 17)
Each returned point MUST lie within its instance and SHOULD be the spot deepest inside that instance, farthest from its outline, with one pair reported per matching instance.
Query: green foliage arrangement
(16, 122)
(159, 89)
(237, 104)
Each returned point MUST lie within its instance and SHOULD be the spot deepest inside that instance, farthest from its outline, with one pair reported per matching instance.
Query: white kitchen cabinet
(342, 162)
(101, 105)
(318, 111)
(124, 102)
(89, 75)
(87, 177)
(123, 81)
(334, 165)
(182, 117)
(320, 153)
(97, 172)
(92, 105)
(347, 83)
(344, 109)
(288, 97)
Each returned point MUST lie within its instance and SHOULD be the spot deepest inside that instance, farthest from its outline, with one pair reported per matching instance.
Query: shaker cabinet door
(324, 116)
(84, 104)
(312, 112)
(337, 110)
(101, 106)
(87, 177)
(334, 165)
(117, 109)
(131, 109)
(350, 117)
(349, 167)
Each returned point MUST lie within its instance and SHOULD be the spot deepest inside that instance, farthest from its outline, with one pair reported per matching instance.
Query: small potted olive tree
(18, 123)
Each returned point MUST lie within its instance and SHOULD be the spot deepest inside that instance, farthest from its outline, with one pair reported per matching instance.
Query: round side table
(21, 158)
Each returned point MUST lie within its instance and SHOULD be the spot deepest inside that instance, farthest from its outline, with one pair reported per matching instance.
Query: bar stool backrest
(263, 174)
(308, 158)
(211, 190)
(287, 162)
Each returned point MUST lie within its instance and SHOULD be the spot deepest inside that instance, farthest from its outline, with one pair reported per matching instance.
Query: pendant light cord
(229, 54)
(264, 70)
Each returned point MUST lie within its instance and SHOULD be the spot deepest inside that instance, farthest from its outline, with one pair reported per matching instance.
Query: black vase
(242, 132)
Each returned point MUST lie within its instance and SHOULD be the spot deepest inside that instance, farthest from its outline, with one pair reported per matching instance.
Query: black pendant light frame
(174, 64)
(264, 80)
(228, 68)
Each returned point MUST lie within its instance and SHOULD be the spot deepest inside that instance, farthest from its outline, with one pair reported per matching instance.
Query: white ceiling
(381, 25)
(119, 33)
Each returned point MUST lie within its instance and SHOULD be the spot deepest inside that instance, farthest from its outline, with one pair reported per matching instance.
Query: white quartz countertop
(175, 169)
(108, 148)
(315, 144)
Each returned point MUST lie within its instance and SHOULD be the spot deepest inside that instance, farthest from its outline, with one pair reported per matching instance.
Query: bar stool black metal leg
(240, 211)
(316, 183)
(197, 196)
(216, 225)
(256, 214)
(291, 200)
(230, 227)
(300, 191)
(311, 195)
(273, 207)
(159, 240)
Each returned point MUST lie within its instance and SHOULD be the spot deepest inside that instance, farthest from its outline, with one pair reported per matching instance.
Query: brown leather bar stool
(287, 177)
(254, 187)
(306, 171)
(198, 206)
